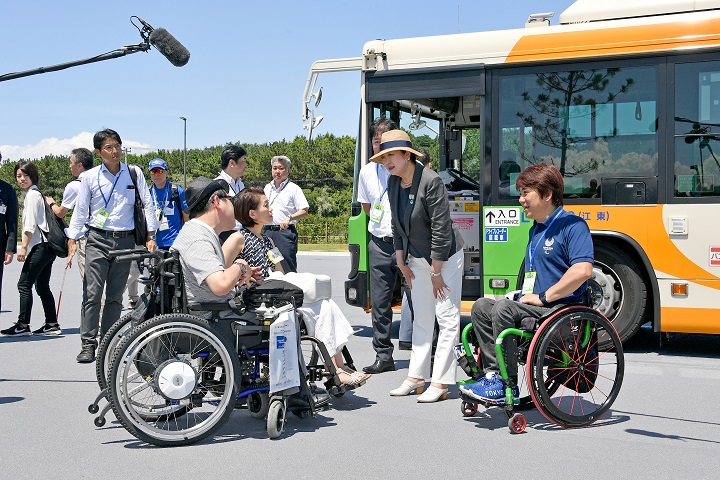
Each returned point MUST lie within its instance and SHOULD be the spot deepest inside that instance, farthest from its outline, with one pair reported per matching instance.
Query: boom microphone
(169, 47)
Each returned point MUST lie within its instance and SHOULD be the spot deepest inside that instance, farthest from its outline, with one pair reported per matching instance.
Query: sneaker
(489, 388)
(87, 354)
(17, 331)
(48, 330)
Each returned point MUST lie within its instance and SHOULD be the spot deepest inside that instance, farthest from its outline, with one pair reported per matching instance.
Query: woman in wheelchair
(323, 319)
(558, 262)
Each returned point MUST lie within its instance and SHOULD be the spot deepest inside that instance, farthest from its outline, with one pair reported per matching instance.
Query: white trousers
(325, 321)
(447, 312)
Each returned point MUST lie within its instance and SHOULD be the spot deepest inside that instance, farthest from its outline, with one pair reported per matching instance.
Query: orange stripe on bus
(616, 41)
(696, 320)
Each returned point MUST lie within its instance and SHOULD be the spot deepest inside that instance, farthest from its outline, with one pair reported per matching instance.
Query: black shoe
(87, 354)
(380, 366)
(405, 345)
(17, 330)
(300, 401)
(48, 330)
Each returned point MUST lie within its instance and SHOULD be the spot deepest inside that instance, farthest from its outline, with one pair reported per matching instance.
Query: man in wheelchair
(558, 262)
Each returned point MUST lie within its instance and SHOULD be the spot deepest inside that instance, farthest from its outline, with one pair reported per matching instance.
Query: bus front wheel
(618, 290)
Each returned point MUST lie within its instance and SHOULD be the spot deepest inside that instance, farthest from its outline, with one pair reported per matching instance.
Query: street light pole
(184, 152)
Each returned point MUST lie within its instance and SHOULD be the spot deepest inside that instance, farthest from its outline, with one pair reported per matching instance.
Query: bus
(623, 97)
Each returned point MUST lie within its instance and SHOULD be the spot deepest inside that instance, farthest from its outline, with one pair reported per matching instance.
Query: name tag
(376, 212)
(275, 256)
(529, 282)
(3, 208)
(164, 224)
(169, 210)
(100, 218)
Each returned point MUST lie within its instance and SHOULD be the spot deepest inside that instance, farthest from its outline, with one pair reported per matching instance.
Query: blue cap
(158, 163)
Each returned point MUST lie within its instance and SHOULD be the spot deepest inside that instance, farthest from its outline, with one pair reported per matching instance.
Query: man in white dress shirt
(105, 203)
(233, 161)
(289, 205)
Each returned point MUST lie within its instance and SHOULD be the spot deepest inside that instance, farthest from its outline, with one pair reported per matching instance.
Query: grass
(323, 247)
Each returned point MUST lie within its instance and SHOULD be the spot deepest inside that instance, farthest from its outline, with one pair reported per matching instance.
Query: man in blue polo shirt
(558, 263)
(168, 201)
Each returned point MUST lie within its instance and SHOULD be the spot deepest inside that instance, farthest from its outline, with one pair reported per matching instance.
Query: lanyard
(377, 171)
(165, 199)
(282, 187)
(531, 252)
(107, 200)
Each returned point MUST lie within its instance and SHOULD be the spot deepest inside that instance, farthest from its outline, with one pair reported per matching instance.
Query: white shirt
(285, 200)
(372, 189)
(236, 186)
(70, 194)
(33, 216)
(96, 187)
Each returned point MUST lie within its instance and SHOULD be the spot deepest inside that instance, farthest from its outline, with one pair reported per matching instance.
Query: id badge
(275, 256)
(169, 210)
(3, 208)
(529, 283)
(100, 218)
(164, 224)
(376, 212)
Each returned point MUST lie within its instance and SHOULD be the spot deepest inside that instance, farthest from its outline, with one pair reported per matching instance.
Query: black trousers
(383, 275)
(36, 271)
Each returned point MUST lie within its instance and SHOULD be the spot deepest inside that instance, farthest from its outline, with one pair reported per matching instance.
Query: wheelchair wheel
(107, 347)
(258, 403)
(276, 418)
(172, 380)
(573, 381)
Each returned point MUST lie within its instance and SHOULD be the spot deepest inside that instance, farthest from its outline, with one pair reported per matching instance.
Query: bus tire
(618, 290)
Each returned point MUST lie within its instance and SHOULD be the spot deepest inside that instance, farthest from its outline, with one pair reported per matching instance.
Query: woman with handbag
(37, 256)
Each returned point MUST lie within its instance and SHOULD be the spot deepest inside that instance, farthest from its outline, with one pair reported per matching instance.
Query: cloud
(57, 146)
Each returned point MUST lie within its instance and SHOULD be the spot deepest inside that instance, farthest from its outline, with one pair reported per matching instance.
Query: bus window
(589, 123)
(697, 132)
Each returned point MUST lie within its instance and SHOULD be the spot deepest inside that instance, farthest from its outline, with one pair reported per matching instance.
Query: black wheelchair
(570, 367)
(172, 377)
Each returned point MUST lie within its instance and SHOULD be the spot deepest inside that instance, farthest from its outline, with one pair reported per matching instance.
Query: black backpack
(55, 236)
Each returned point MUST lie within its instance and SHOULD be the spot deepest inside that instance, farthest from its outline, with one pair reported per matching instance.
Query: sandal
(356, 378)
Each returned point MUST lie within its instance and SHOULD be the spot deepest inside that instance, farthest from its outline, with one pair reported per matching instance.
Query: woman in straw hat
(430, 257)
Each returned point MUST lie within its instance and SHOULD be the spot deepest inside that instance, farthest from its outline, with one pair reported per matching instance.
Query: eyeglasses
(110, 148)
(156, 171)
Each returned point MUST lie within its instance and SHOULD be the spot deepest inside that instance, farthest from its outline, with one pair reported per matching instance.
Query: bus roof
(587, 31)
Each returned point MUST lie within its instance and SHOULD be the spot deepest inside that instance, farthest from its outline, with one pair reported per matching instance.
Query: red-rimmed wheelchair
(562, 370)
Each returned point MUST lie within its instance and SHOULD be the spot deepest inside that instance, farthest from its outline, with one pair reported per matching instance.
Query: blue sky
(244, 81)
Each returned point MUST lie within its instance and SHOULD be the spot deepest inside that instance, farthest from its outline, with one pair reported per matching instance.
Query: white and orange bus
(623, 97)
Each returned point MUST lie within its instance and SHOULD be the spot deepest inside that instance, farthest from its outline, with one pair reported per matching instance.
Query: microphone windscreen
(169, 47)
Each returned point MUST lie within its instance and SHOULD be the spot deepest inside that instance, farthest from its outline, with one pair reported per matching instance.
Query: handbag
(138, 212)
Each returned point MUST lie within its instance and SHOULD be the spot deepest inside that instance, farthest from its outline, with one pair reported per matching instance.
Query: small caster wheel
(276, 419)
(99, 421)
(468, 409)
(94, 408)
(517, 423)
(258, 404)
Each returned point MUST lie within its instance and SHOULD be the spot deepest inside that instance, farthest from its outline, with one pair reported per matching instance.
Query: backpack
(55, 235)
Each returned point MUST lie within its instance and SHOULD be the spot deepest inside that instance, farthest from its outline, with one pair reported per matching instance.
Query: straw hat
(394, 140)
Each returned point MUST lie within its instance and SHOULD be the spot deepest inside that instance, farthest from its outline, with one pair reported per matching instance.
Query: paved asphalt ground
(664, 424)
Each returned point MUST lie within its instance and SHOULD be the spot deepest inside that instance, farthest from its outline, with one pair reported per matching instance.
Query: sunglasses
(157, 171)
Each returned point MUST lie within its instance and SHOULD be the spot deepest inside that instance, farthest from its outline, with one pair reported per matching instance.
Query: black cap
(200, 190)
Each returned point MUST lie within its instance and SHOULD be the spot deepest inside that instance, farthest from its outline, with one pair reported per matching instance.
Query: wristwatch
(151, 237)
(433, 275)
(243, 268)
(543, 300)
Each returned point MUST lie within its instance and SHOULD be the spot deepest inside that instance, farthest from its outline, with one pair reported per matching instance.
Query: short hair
(425, 158)
(29, 169)
(382, 124)
(248, 199)
(231, 152)
(103, 135)
(83, 156)
(203, 207)
(545, 179)
(281, 159)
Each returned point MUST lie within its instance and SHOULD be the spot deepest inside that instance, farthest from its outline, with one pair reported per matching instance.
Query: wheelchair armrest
(234, 304)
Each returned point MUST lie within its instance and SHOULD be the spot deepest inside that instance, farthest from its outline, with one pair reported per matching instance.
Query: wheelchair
(172, 377)
(570, 367)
